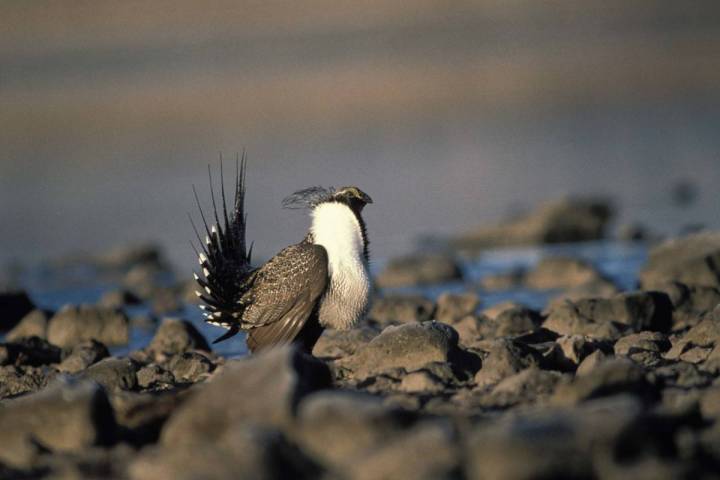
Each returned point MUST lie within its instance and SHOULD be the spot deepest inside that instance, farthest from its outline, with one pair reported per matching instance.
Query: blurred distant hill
(451, 110)
(317, 63)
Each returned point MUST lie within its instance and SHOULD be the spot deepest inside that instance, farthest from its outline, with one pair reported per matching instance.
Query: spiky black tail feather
(224, 257)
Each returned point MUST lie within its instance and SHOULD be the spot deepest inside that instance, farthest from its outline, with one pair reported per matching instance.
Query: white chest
(336, 228)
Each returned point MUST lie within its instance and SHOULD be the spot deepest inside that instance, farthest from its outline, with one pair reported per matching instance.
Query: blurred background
(449, 114)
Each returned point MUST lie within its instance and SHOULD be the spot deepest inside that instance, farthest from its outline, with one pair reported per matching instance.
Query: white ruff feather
(336, 228)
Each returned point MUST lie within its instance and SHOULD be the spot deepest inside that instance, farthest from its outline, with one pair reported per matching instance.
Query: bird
(321, 282)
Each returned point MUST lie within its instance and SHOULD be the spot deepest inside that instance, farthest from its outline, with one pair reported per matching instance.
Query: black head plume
(308, 197)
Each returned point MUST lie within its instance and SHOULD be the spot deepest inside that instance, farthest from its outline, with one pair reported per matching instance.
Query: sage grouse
(321, 282)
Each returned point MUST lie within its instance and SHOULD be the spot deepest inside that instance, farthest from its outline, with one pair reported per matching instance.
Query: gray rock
(243, 451)
(705, 334)
(505, 358)
(551, 443)
(263, 389)
(72, 325)
(517, 321)
(419, 270)
(527, 386)
(16, 381)
(692, 260)
(557, 272)
(453, 307)
(421, 381)
(177, 336)
(610, 318)
(118, 299)
(400, 309)
(470, 328)
(408, 346)
(341, 343)
(83, 355)
(497, 309)
(190, 367)
(140, 416)
(154, 375)
(565, 220)
(113, 373)
(643, 341)
(34, 324)
(683, 375)
(339, 427)
(590, 362)
(572, 350)
(644, 348)
(63, 418)
(690, 303)
(435, 450)
(614, 376)
(14, 305)
(32, 351)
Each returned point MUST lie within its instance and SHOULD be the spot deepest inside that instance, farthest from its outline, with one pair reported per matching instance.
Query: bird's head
(353, 197)
(311, 197)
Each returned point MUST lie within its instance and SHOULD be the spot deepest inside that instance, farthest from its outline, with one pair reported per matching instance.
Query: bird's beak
(365, 197)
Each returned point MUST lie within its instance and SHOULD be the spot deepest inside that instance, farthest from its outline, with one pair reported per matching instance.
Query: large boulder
(75, 324)
(264, 389)
(65, 417)
(561, 221)
(692, 260)
(419, 270)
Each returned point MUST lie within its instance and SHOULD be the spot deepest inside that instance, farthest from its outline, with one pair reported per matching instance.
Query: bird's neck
(341, 232)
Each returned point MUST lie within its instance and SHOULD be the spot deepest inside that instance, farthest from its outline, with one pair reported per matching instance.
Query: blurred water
(620, 262)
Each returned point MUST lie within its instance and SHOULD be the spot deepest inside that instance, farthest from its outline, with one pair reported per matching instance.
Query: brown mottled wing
(285, 292)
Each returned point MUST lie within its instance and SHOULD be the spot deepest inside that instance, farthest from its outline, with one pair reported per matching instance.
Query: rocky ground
(602, 383)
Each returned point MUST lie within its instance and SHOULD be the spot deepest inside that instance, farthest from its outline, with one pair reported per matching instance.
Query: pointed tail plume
(223, 255)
